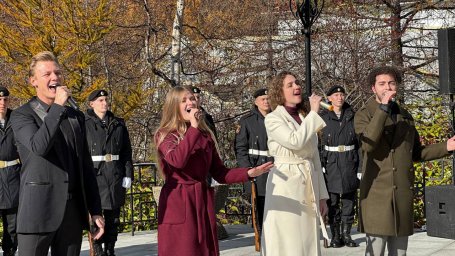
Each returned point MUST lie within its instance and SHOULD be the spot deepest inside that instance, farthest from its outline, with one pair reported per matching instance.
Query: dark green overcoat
(387, 187)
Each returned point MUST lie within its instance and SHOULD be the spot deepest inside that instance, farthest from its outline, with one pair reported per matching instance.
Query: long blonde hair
(172, 120)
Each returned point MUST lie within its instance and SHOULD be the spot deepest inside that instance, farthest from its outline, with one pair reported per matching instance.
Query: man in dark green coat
(390, 145)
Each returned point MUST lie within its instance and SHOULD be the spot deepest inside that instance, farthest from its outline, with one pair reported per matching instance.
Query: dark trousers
(342, 207)
(66, 240)
(112, 222)
(260, 206)
(9, 241)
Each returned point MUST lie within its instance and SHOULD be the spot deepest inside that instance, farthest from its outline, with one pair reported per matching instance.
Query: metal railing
(141, 210)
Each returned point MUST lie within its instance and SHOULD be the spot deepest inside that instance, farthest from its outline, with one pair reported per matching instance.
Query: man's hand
(323, 209)
(61, 95)
(388, 96)
(99, 222)
(451, 144)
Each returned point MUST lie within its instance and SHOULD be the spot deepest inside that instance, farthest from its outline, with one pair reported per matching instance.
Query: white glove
(323, 169)
(359, 175)
(126, 183)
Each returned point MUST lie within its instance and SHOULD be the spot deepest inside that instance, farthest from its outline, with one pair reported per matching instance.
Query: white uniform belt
(258, 152)
(4, 164)
(106, 158)
(340, 148)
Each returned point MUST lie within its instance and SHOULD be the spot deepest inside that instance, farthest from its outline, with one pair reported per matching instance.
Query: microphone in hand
(73, 103)
(70, 99)
(326, 106)
(197, 114)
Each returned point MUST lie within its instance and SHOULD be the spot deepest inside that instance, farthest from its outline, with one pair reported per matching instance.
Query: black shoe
(9, 253)
(336, 241)
(347, 236)
(109, 249)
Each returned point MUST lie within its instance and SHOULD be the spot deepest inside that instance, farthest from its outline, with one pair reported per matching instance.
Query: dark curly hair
(384, 70)
(276, 95)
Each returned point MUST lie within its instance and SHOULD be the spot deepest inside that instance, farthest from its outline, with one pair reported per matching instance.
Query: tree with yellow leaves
(70, 29)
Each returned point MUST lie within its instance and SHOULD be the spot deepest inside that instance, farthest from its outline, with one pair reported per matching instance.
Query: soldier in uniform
(251, 146)
(341, 161)
(110, 148)
(9, 176)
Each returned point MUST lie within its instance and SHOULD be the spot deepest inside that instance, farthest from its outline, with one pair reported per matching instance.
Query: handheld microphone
(72, 103)
(197, 115)
(70, 99)
(326, 106)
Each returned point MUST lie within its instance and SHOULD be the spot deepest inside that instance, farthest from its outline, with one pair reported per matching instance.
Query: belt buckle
(341, 148)
(2, 164)
(108, 157)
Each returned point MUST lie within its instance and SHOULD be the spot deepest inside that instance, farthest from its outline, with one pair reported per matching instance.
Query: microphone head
(326, 105)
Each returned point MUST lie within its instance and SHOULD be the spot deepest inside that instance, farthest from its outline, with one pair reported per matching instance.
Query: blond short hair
(41, 56)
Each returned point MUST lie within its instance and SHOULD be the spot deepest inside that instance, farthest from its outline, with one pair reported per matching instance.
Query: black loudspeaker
(440, 211)
(446, 53)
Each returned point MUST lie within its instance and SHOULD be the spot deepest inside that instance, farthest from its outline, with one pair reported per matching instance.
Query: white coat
(294, 186)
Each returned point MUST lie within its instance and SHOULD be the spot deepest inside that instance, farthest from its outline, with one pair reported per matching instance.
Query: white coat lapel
(289, 119)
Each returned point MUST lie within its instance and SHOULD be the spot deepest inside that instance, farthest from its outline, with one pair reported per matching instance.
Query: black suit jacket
(44, 184)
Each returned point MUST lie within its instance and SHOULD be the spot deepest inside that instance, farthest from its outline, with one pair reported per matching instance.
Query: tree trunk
(176, 42)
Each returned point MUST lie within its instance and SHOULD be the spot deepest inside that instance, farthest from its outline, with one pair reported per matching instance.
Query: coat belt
(289, 160)
(258, 152)
(308, 165)
(105, 158)
(4, 164)
(201, 205)
(339, 148)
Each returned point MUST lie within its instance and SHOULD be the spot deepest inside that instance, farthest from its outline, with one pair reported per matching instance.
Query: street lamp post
(307, 11)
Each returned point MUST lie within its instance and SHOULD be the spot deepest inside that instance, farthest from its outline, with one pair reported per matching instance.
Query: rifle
(92, 229)
(257, 236)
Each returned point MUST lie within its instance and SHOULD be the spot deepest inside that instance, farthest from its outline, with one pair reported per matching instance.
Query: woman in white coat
(296, 194)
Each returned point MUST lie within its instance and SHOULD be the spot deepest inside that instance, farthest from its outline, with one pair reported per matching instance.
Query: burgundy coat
(186, 215)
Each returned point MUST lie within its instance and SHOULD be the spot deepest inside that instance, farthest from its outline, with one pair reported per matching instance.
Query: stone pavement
(240, 243)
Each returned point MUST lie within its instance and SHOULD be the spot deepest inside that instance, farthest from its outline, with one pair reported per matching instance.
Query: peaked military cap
(260, 92)
(3, 91)
(334, 89)
(195, 89)
(97, 93)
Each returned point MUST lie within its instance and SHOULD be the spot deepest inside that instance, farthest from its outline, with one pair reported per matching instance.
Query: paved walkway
(240, 242)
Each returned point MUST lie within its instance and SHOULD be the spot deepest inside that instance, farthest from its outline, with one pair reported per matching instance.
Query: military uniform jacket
(387, 187)
(9, 176)
(112, 138)
(340, 167)
(251, 147)
(209, 121)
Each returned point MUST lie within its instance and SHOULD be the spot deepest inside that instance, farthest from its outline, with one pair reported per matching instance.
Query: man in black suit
(58, 186)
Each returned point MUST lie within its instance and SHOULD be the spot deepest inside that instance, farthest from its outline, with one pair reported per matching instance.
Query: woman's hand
(261, 169)
(195, 115)
(323, 209)
(315, 102)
